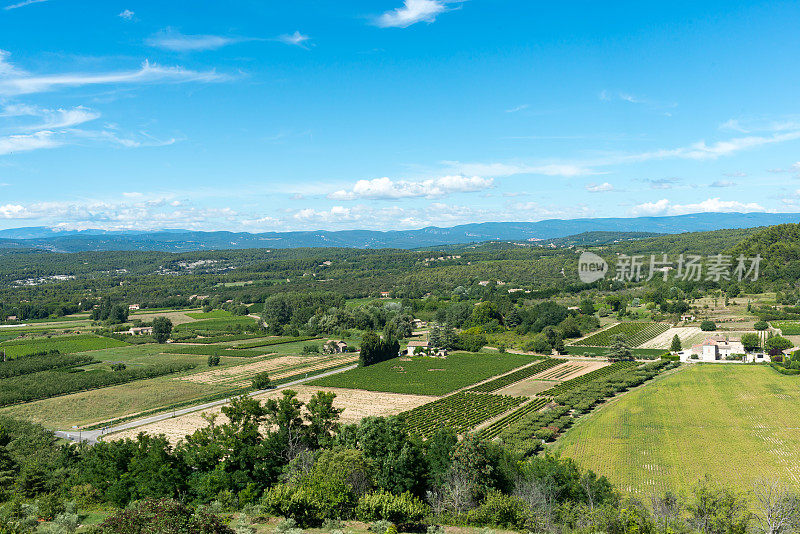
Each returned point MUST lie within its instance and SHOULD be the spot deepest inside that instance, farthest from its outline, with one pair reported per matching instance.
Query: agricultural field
(687, 335)
(66, 344)
(661, 437)
(520, 374)
(278, 367)
(459, 412)
(602, 352)
(788, 328)
(586, 378)
(427, 376)
(636, 334)
(356, 404)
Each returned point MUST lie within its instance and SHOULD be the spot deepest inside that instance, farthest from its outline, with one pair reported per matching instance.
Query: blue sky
(265, 115)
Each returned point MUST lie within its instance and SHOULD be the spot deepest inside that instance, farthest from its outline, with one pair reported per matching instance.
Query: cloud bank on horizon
(392, 115)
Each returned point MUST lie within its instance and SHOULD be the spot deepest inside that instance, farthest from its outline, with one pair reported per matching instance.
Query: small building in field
(140, 331)
(133, 307)
(714, 348)
(336, 346)
(384, 294)
(413, 344)
(687, 318)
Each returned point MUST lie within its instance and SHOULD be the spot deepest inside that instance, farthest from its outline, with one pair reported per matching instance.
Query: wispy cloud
(511, 169)
(517, 108)
(600, 188)
(412, 12)
(704, 151)
(126, 14)
(386, 188)
(14, 144)
(294, 39)
(23, 4)
(50, 119)
(20, 83)
(723, 183)
(178, 42)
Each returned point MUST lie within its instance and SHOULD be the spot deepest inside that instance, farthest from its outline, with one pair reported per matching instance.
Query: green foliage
(675, 346)
(162, 329)
(399, 509)
(499, 510)
(619, 350)
(776, 345)
(261, 381)
(470, 341)
(761, 325)
(46, 384)
(708, 326)
(51, 360)
(311, 502)
(459, 412)
(751, 341)
(165, 517)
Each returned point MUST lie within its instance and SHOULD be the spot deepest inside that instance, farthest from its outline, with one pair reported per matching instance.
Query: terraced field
(660, 437)
(636, 334)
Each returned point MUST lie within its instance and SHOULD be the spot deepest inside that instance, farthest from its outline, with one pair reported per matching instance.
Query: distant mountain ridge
(44, 238)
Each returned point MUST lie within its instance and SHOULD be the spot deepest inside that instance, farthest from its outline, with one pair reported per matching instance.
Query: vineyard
(788, 328)
(270, 342)
(516, 376)
(494, 429)
(635, 334)
(587, 378)
(459, 412)
(46, 361)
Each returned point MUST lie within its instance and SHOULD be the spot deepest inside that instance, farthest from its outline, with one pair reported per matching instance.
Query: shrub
(708, 326)
(500, 510)
(403, 508)
(165, 516)
(311, 502)
(261, 380)
(760, 325)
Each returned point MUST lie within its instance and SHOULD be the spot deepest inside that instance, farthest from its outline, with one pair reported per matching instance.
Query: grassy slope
(737, 423)
(427, 376)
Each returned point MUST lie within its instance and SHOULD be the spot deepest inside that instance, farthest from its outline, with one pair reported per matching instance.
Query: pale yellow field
(356, 404)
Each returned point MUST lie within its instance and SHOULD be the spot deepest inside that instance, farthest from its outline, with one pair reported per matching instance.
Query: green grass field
(427, 376)
(64, 344)
(737, 423)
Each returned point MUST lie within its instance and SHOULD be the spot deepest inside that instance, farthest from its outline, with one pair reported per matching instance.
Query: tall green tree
(162, 329)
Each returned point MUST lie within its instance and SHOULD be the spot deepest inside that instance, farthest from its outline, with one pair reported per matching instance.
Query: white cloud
(703, 151)
(51, 119)
(295, 39)
(13, 144)
(504, 169)
(598, 188)
(411, 12)
(386, 188)
(16, 83)
(126, 14)
(335, 214)
(177, 42)
(517, 108)
(723, 183)
(13, 211)
(711, 205)
(23, 4)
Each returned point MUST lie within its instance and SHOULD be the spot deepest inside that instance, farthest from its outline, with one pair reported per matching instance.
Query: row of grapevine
(585, 379)
(520, 374)
(496, 427)
(459, 412)
(634, 333)
(527, 432)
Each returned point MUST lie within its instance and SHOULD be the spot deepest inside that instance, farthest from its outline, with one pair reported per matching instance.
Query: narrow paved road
(93, 436)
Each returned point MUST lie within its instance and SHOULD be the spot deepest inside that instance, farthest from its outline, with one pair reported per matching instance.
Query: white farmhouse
(713, 348)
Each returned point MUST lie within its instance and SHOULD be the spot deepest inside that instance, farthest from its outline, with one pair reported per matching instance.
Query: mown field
(736, 423)
(427, 376)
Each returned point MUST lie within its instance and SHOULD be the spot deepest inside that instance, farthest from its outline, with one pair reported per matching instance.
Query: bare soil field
(664, 340)
(549, 378)
(276, 367)
(356, 404)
